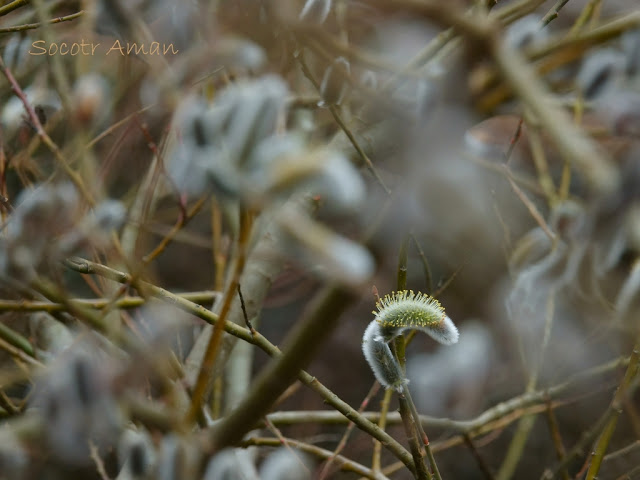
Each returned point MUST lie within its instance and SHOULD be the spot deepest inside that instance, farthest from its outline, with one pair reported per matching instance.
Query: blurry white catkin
(78, 408)
(397, 313)
(600, 72)
(51, 337)
(379, 357)
(39, 96)
(282, 165)
(525, 32)
(13, 457)
(315, 11)
(231, 464)
(136, 455)
(631, 48)
(213, 143)
(286, 464)
(90, 99)
(172, 462)
(342, 259)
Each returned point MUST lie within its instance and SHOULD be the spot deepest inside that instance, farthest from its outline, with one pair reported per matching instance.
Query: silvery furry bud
(599, 72)
(282, 165)
(631, 48)
(78, 409)
(40, 97)
(108, 215)
(339, 183)
(196, 162)
(525, 32)
(379, 357)
(13, 457)
(173, 461)
(286, 464)
(334, 82)
(369, 80)
(254, 110)
(343, 260)
(231, 464)
(90, 99)
(136, 455)
(315, 11)
(51, 336)
(16, 52)
(214, 143)
(621, 112)
(397, 313)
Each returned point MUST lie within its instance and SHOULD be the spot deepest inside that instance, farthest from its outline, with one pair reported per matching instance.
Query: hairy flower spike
(378, 355)
(398, 312)
(408, 309)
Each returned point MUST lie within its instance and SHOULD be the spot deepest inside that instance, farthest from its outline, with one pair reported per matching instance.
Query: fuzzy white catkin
(599, 72)
(77, 407)
(631, 47)
(340, 184)
(379, 357)
(445, 332)
(286, 464)
(51, 336)
(525, 32)
(13, 457)
(230, 464)
(136, 455)
(172, 462)
(342, 259)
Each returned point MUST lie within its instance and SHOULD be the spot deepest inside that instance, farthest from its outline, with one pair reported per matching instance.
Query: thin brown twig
(10, 7)
(345, 437)
(179, 225)
(32, 26)
(482, 464)
(556, 437)
(200, 388)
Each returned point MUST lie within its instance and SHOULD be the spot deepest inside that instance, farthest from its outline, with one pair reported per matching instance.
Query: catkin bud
(343, 260)
(525, 32)
(136, 455)
(285, 463)
(233, 464)
(599, 72)
(398, 312)
(369, 80)
(379, 357)
(90, 99)
(631, 48)
(172, 464)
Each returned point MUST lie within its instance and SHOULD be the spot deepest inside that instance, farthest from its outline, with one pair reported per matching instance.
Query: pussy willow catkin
(406, 310)
(397, 313)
